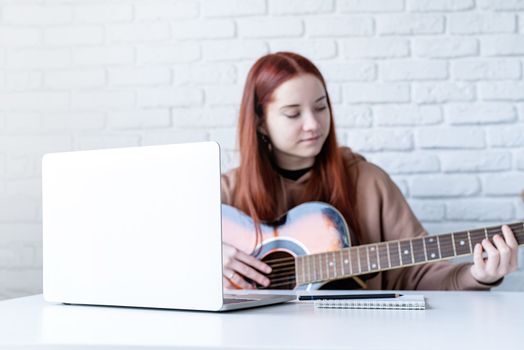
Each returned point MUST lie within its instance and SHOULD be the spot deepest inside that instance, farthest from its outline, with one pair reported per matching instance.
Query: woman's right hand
(239, 265)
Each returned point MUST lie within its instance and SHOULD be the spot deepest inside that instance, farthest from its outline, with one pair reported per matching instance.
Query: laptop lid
(136, 226)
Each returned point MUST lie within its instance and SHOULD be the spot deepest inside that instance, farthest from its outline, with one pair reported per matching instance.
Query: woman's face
(297, 121)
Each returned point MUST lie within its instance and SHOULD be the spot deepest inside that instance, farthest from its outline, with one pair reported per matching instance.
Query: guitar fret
(301, 259)
(462, 246)
(323, 271)
(367, 256)
(486, 231)
(394, 257)
(349, 260)
(320, 268)
(389, 258)
(358, 260)
(325, 276)
(330, 266)
(425, 249)
(342, 263)
(406, 252)
(308, 267)
(354, 261)
(419, 250)
(312, 270)
(335, 265)
(412, 254)
(400, 254)
(378, 258)
(446, 246)
(492, 231)
(432, 248)
(297, 272)
(476, 237)
(438, 247)
(469, 239)
(373, 257)
(362, 258)
(339, 258)
(339, 262)
(453, 242)
(315, 270)
(327, 266)
(383, 255)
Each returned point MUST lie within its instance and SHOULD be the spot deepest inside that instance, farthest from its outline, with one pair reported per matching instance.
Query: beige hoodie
(384, 215)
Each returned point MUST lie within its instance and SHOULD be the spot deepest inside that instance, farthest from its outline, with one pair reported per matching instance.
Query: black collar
(292, 174)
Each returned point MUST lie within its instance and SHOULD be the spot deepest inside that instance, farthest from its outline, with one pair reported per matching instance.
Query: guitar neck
(383, 256)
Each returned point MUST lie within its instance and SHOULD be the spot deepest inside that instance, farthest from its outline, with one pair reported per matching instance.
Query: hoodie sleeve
(227, 187)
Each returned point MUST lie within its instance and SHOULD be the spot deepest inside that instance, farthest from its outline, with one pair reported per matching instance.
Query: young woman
(289, 155)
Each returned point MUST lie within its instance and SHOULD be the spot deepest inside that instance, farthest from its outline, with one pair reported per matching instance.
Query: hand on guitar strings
(501, 257)
(238, 266)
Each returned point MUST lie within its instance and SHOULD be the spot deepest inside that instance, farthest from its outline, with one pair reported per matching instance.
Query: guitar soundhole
(282, 274)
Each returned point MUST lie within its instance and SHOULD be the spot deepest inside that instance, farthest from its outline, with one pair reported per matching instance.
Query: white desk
(454, 320)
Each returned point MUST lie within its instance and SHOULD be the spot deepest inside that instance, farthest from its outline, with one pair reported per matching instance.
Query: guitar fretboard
(382, 256)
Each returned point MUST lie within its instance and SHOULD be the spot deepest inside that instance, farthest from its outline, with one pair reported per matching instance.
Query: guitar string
(291, 268)
(280, 272)
(286, 280)
(517, 233)
(516, 230)
(442, 245)
(418, 253)
(289, 280)
(354, 259)
(291, 277)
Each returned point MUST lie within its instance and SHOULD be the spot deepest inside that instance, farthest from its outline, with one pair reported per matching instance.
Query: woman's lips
(311, 139)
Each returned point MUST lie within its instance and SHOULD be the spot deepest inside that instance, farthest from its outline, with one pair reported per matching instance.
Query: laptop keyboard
(236, 300)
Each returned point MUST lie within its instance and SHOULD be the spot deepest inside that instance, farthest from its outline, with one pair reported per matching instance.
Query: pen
(349, 296)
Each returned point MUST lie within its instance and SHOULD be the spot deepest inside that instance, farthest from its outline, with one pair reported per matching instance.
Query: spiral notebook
(403, 302)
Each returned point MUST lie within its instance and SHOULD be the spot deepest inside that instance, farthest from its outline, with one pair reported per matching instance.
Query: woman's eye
(321, 108)
(292, 115)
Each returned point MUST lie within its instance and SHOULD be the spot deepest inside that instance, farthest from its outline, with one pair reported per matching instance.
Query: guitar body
(309, 228)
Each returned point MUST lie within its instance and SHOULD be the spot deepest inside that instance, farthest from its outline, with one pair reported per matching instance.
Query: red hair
(257, 182)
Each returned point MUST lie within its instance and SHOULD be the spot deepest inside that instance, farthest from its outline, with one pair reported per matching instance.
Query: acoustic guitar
(310, 245)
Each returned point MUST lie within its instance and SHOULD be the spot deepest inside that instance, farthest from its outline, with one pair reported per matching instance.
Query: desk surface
(453, 320)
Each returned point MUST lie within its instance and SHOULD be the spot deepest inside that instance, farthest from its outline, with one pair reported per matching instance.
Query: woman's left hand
(501, 257)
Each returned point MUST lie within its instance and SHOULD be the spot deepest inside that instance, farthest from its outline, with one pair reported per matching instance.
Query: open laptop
(139, 227)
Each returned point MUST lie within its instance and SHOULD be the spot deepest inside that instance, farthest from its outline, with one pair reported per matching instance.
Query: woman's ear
(262, 128)
(263, 135)
(263, 131)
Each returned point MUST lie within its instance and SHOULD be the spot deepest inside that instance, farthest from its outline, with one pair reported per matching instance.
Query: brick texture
(430, 90)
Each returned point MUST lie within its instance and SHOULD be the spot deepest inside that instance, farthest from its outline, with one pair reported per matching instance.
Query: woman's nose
(310, 122)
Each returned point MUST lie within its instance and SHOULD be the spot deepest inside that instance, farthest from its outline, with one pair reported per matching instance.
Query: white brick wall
(431, 90)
